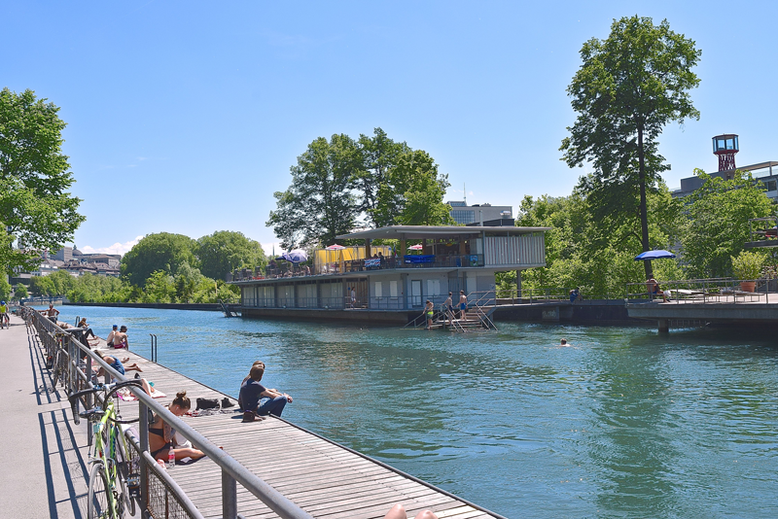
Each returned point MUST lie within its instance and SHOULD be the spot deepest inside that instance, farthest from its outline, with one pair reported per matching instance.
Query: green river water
(623, 423)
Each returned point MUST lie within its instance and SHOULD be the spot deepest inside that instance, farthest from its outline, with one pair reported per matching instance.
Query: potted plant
(747, 267)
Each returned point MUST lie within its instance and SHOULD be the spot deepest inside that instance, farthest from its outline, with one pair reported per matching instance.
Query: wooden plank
(322, 477)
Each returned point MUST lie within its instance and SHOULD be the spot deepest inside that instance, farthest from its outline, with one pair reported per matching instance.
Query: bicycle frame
(109, 458)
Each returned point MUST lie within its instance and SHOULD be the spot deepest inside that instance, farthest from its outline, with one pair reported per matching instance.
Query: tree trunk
(643, 204)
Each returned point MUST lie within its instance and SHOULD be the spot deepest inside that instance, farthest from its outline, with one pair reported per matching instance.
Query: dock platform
(325, 479)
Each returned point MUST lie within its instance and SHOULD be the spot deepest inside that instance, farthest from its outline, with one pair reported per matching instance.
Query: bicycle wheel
(124, 465)
(58, 367)
(100, 503)
(111, 394)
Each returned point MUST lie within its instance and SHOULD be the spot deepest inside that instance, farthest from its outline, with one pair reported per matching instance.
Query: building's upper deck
(449, 247)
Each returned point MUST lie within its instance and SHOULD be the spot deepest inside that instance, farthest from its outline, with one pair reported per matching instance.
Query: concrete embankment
(602, 311)
(158, 306)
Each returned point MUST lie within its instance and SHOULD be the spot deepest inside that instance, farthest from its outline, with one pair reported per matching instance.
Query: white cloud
(116, 248)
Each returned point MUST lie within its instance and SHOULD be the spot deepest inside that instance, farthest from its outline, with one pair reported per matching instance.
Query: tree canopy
(339, 183)
(319, 204)
(224, 251)
(36, 208)
(717, 226)
(163, 251)
(628, 88)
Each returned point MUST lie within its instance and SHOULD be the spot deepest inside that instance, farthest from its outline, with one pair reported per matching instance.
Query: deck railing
(365, 265)
(714, 290)
(169, 500)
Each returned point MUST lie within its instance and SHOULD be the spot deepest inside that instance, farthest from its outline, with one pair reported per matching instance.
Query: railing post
(143, 424)
(229, 496)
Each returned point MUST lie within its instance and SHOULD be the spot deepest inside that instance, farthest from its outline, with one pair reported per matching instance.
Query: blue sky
(185, 117)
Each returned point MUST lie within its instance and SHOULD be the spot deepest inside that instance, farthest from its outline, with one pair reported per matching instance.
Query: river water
(623, 423)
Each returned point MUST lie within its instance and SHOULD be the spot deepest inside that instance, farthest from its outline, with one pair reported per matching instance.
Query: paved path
(43, 465)
(43, 470)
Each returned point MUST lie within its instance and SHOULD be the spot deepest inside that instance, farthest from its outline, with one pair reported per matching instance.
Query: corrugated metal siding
(525, 250)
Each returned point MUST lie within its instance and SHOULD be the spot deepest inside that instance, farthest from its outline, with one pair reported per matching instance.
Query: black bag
(207, 403)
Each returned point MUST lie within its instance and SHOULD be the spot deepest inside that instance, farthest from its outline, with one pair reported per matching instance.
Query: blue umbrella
(295, 256)
(654, 254)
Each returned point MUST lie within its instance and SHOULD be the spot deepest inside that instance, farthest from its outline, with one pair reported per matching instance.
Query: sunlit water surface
(624, 423)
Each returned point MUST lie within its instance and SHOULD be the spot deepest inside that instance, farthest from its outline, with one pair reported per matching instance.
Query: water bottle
(171, 458)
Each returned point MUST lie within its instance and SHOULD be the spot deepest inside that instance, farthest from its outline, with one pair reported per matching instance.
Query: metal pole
(143, 424)
(229, 496)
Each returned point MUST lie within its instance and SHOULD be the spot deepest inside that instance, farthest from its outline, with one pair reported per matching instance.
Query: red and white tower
(725, 146)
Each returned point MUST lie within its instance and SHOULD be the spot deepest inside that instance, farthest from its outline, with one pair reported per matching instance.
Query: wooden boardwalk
(325, 479)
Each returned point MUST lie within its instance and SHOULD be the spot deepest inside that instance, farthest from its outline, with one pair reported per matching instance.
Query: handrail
(478, 304)
(712, 290)
(232, 470)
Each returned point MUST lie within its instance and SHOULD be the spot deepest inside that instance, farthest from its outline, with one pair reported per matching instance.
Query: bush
(747, 265)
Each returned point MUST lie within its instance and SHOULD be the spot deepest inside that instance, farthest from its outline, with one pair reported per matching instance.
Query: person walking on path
(255, 399)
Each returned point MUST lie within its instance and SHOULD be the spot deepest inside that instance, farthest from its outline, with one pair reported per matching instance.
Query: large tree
(628, 88)
(223, 251)
(319, 204)
(717, 226)
(340, 184)
(379, 155)
(36, 208)
(165, 252)
(412, 193)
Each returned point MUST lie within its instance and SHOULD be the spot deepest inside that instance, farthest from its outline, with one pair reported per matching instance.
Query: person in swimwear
(429, 309)
(161, 434)
(117, 364)
(462, 305)
(449, 305)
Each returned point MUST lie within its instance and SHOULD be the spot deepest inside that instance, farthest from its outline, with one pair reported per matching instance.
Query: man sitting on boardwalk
(254, 399)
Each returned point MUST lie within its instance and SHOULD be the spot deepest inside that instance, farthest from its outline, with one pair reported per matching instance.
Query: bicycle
(114, 482)
(61, 363)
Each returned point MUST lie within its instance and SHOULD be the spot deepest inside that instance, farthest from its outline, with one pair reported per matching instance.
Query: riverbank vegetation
(164, 268)
(707, 230)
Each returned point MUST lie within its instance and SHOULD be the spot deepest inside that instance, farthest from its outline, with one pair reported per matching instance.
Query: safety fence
(75, 367)
(707, 291)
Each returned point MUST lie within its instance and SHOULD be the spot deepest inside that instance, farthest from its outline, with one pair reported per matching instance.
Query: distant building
(68, 254)
(725, 147)
(488, 214)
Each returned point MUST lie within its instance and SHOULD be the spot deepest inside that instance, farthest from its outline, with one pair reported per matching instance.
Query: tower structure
(725, 146)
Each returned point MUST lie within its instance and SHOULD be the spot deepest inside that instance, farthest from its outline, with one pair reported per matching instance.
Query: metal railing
(480, 300)
(709, 291)
(171, 501)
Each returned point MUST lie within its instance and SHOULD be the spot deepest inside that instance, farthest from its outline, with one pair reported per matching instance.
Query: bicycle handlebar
(108, 388)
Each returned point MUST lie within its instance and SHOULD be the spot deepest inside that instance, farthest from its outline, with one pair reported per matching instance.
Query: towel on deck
(127, 396)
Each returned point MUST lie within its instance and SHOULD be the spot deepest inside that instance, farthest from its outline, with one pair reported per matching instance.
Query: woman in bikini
(161, 434)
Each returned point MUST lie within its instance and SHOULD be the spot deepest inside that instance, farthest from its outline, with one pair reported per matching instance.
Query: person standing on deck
(462, 305)
(429, 310)
(255, 399)
(449, 304)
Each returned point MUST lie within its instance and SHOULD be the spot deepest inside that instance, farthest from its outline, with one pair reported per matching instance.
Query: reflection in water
(625, 423)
